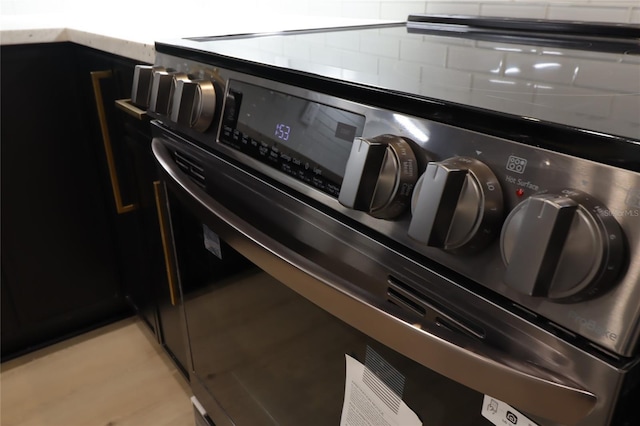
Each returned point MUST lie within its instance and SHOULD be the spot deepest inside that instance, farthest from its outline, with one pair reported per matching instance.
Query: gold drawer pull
(126, 106)
(165, 244)
(96, 76)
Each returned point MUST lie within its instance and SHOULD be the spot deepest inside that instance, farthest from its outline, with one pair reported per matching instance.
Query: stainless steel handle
(128, 107)
(523, 385)
(168, 263)
(96, 76)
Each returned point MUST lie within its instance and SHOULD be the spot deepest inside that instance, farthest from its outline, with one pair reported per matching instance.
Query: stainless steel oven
(391, 225)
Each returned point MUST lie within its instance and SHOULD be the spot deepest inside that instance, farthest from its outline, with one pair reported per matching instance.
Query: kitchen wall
(625, 11)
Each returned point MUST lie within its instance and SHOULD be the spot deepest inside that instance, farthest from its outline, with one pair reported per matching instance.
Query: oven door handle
(456, 356)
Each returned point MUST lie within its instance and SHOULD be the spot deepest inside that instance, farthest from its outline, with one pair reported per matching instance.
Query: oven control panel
(558, 236)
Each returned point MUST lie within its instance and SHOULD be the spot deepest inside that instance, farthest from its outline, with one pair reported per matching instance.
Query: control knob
(457, 205)
(193, 103)
(380, 175)
(564, 247)
(142, 82)
(162, 89)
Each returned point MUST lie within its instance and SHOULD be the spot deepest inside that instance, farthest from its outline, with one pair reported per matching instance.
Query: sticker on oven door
(211, 241)
(368, 401)
(500, 413)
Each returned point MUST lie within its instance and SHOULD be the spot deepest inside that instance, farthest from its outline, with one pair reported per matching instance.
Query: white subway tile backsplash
(325, 8)
(423, 52)
(626, 107)
(297, 51)
(361, 9)
(328, 56)
(621, 77)
(635, 15)
(455, 8)
(400, 10)
(271, 44)
(344, 40)
(407, 85)
(395, 69)
(541, 67)
(589, 13)
(502, 94)
(514, 10)
(488, 62)
(362, 77)
(441, 83)
(9, 8)
(360, 62)
(385, 46)
(558, 98)
(299, 7)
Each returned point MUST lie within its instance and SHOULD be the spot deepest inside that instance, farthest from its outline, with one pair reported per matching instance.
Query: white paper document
(368, 401)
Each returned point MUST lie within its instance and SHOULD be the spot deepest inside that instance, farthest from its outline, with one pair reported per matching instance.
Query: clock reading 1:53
(282, 131)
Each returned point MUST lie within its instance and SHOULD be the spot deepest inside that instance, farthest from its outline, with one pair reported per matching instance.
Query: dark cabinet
(105, 79)
(60, 273)
(81, 240)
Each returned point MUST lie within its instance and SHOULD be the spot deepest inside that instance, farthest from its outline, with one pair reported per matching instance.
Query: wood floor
(114, 376)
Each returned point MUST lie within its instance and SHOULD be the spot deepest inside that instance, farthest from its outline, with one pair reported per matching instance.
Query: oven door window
(270, 357)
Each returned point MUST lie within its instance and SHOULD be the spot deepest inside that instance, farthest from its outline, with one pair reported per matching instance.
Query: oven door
(283, 325)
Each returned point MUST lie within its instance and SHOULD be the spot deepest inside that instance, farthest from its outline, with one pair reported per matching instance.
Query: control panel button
(380, 175)
(193, 103)
(562, 247)
(457, 205)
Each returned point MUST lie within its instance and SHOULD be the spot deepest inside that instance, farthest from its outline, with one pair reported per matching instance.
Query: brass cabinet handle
(165, 244)
(96, 76)
(126, 106)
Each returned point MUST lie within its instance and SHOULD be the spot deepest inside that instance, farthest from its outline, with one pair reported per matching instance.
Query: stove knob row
(562, 247)
(179, 97)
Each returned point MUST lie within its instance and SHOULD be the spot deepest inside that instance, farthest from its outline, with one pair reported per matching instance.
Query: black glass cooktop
(564, 75)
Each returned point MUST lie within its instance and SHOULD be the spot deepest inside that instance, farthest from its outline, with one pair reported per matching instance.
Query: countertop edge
(132, 49)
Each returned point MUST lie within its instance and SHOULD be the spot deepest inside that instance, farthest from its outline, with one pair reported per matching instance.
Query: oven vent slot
(412, 300)
(191, 167)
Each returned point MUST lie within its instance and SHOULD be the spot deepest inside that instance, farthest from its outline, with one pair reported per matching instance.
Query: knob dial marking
(380, 176)
(561, 247)
(457, 205)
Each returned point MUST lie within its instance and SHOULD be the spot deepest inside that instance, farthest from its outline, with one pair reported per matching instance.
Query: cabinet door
(121, 142)
(140, 242)
(135, 137)
(58, 247)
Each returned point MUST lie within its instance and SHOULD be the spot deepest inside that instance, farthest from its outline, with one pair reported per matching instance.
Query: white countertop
(134, 38)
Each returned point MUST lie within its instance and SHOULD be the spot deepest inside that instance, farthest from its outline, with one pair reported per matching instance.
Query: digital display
(282, 131)
(305, 139)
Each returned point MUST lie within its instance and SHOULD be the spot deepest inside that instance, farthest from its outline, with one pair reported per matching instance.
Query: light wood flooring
(114, 376)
